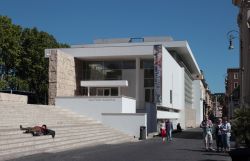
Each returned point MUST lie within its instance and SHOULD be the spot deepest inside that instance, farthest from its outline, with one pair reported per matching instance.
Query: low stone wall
(13, 98)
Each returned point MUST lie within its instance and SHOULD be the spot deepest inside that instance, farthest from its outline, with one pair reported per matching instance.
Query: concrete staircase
(72, 130)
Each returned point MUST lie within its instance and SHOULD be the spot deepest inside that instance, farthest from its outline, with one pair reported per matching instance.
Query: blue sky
(203, 23)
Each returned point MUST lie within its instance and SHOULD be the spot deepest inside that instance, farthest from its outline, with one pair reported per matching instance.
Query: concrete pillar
(119, 91)
(137, 81)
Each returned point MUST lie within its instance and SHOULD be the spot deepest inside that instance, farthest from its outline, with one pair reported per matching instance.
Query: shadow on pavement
(212, 160)
(188, 135)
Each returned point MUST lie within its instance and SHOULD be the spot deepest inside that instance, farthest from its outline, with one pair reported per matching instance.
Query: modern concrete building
(244, 36)
(136, 81)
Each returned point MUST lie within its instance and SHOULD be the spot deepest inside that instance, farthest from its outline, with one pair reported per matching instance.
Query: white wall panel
(127, 123)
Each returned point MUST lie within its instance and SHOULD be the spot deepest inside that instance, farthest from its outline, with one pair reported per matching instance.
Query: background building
(232, 85)
(244, 33)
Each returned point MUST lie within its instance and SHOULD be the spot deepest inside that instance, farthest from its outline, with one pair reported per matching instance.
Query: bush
(241, 125)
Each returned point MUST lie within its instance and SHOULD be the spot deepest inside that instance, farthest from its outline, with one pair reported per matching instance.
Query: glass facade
(112, 70)
(148, 66)
(105, 70)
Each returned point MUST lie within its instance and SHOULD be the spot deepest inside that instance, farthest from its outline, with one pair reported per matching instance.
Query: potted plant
(241, 132)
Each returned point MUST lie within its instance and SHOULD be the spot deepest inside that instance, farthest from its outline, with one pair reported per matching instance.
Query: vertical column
(52, 91)
(119, 91)
(137, 81)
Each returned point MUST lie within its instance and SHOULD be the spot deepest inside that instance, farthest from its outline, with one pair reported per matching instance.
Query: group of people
(166, 130)
(38, 130)
(222, 132)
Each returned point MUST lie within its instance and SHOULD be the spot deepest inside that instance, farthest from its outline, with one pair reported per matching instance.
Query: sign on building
(158, 73)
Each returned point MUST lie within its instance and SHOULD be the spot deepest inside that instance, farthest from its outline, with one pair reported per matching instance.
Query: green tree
(10, 48)
(33, 66)
(241, 125)
(22, 56)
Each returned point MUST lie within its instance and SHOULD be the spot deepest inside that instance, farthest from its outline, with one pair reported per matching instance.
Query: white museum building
(128, 83)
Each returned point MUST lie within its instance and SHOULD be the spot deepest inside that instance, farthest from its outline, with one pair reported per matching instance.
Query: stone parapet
(13, 98)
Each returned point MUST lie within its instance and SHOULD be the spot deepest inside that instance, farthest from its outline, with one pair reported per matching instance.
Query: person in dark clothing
(38, 131)
(179, 129)
(218, 134)
(169, 129)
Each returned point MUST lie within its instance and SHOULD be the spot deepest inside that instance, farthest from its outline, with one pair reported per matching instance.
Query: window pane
(147, 95)
(148, 73)
(130, 64)
(147, 64)
(113, 74)
(112, 65)
(148, 82)
(114, 91)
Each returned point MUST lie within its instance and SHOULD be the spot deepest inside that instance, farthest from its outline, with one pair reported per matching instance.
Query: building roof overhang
(105, 83)
(130, 51)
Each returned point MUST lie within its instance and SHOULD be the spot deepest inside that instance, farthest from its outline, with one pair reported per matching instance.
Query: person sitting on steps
(38, 131)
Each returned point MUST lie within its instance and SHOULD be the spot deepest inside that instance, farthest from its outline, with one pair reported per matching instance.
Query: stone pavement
(186, 146)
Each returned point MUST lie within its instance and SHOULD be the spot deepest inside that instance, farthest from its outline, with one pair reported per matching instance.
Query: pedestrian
(207, 126)
(163, 131)
(226, 134)
(218, 135)
(179, 129)
(38, 130)
(169, 129)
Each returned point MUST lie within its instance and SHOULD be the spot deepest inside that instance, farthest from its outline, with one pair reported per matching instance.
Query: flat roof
(131, 50)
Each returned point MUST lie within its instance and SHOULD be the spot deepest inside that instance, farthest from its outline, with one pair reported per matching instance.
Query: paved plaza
(186, 146)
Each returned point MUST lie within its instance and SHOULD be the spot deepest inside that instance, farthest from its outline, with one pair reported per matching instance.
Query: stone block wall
(62, 77)
(13, 98)
(190, 117)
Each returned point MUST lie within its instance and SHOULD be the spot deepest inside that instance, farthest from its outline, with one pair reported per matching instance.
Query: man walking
(169, 129)
(207, 126)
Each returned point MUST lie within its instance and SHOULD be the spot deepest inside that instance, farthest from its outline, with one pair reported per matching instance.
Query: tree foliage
(10, 48)
(241, 124)
(22, 50)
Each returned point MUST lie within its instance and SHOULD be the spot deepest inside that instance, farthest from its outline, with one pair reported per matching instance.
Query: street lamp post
(232, 35)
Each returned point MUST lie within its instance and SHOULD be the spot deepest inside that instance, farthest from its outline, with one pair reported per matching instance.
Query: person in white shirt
(226, 134)
(207, 126)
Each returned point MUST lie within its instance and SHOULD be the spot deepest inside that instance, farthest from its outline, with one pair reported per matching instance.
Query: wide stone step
(58, 129)
(17, 134)
(5, 130)
(64, 147)
(72, 130)
(8, 144)
(46, 143)
(48, 121)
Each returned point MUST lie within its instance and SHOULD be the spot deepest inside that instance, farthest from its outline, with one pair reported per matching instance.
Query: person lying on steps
(38, 131)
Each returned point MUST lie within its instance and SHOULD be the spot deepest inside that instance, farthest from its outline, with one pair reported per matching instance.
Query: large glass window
(148, 77)
(129, 64)
(147, 64)
(106, 70)
(149, 95)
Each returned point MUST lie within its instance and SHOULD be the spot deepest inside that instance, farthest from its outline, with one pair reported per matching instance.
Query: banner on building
(158, 74)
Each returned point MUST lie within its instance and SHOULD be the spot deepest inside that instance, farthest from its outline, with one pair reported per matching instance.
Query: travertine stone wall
(13, 98)
(62, 77)
(190, 117)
